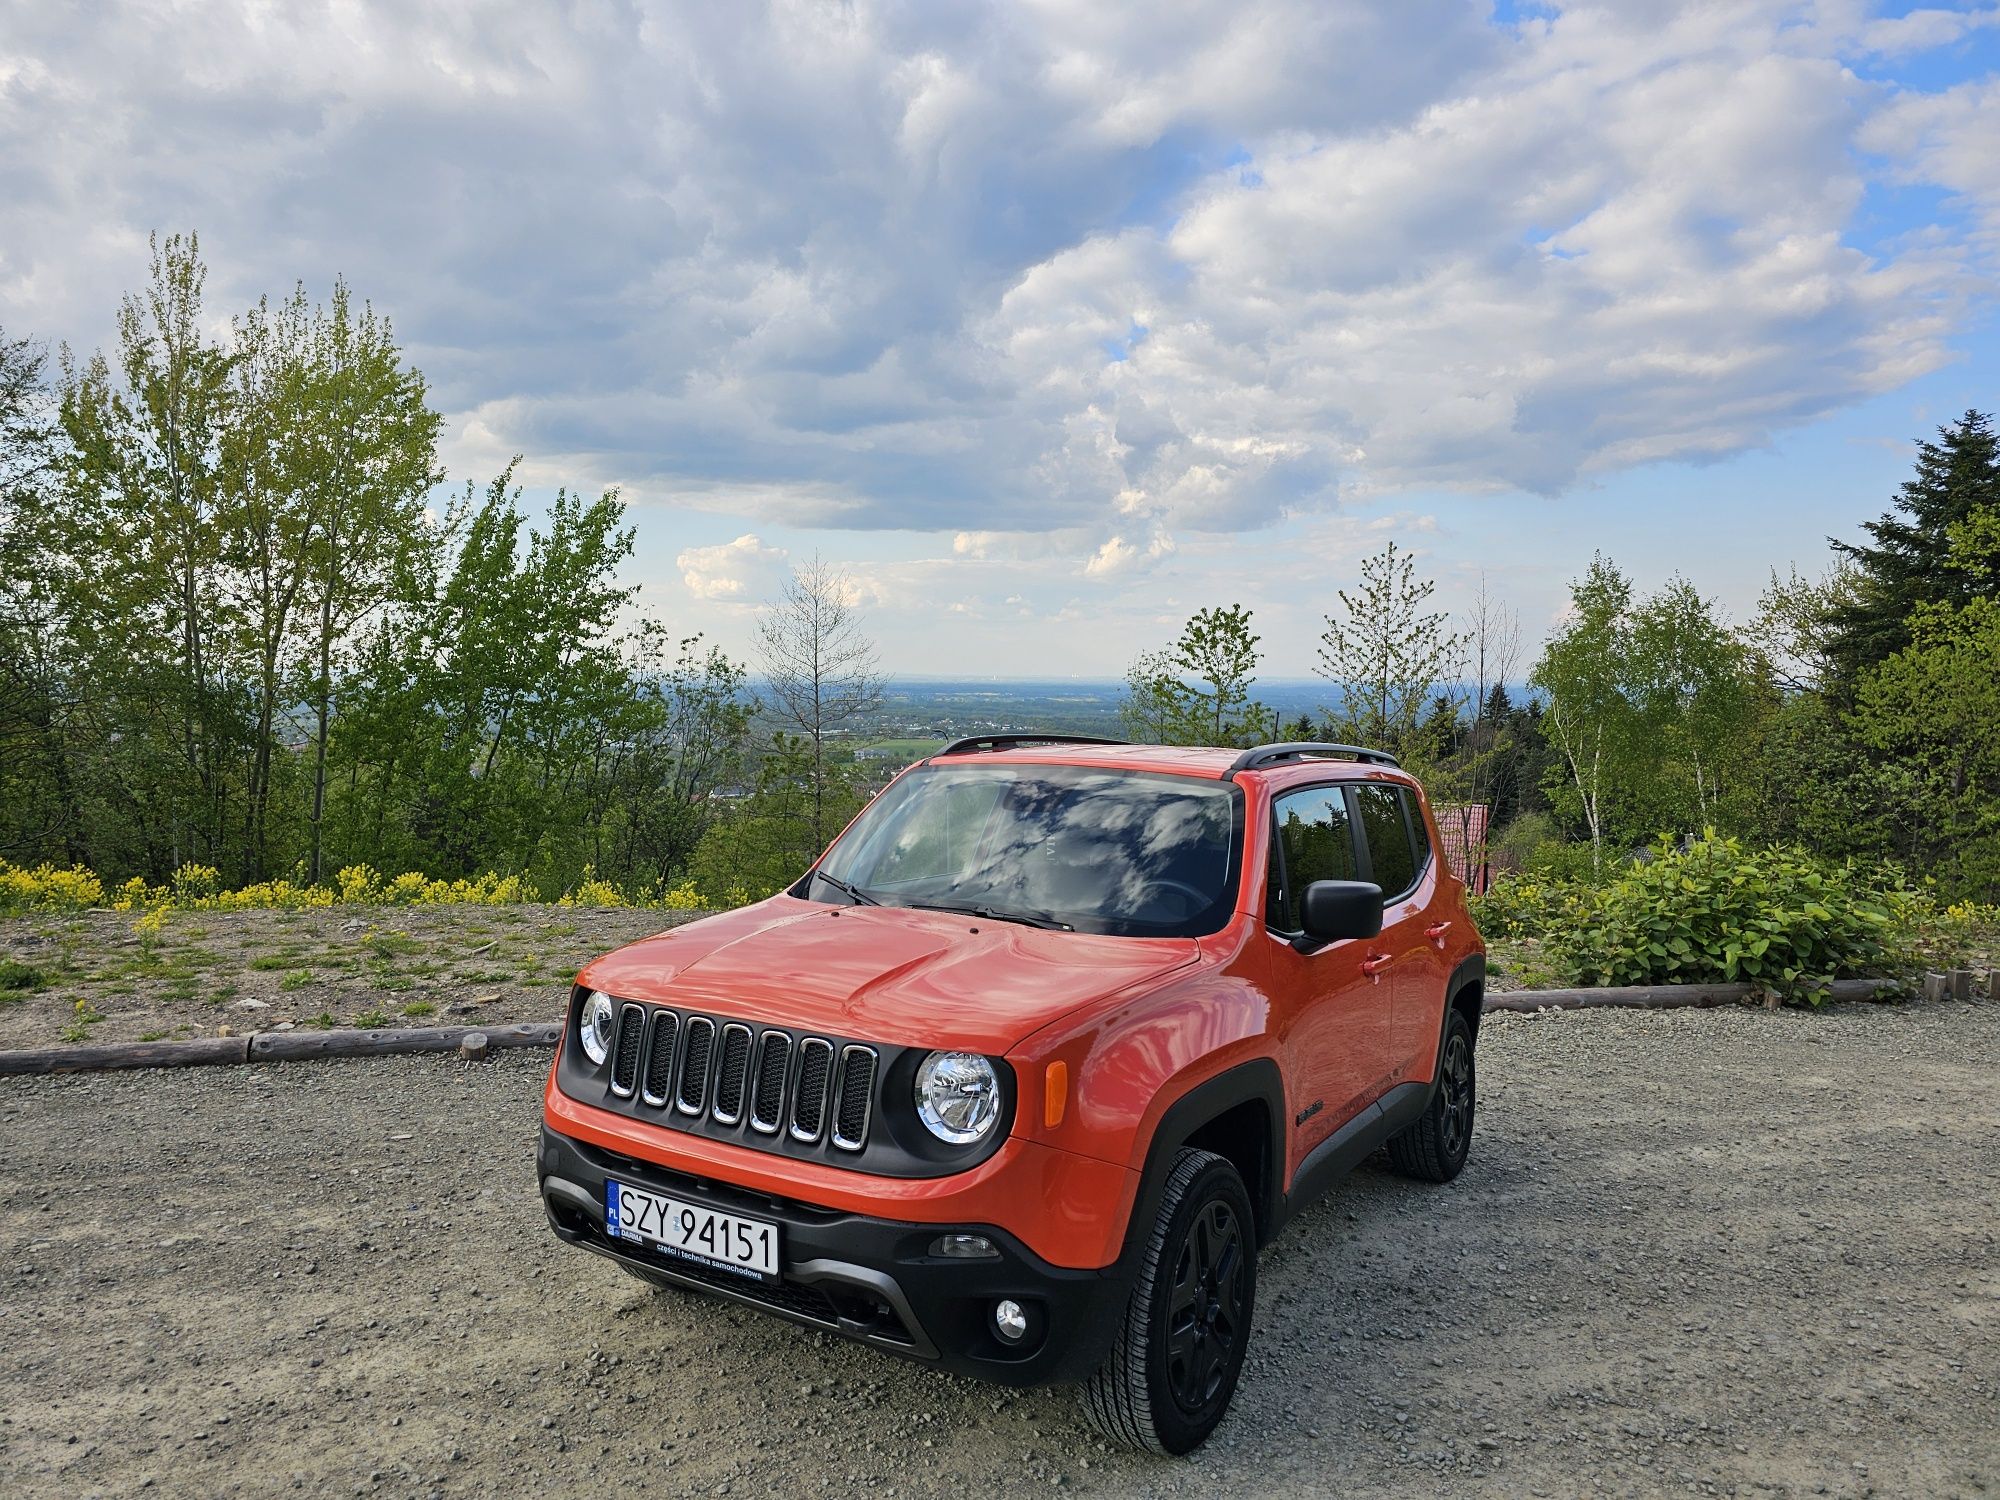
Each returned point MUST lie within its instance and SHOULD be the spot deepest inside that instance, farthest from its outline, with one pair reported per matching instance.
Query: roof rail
(1271, 755)
(977, 742)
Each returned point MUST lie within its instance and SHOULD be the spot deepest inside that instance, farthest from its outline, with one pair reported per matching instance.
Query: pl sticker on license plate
(688, 1231)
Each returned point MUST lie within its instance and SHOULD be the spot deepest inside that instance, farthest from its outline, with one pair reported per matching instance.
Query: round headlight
(593, 1027)
(958, 1096)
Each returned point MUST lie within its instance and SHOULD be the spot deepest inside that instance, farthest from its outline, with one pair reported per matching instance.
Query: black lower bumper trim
(868, 1279)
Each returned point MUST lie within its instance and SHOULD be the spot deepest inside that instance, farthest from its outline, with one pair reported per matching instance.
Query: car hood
(885, 974)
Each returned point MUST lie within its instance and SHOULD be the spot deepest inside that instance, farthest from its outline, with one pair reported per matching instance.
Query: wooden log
(1936, 986)
(1993, 984)
(473, 1048)
(1669, 996)
(197, 1052)
(1961, 984)
(269, 1046)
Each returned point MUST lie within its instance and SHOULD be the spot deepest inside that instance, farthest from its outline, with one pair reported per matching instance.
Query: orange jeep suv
(1018, 1079)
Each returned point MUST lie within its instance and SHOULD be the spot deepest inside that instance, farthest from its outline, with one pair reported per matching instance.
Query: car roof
(1209, 762)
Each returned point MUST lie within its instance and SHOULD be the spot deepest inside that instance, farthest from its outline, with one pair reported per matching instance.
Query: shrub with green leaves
(1776, 917)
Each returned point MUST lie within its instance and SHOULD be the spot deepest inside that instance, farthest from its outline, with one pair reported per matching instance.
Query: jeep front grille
(717, 1076)
(625, 1050)
(692, 1096)
(855, 1097)
(809, 1095)
(774, 1067)
(660, 1057)
(730, 1074)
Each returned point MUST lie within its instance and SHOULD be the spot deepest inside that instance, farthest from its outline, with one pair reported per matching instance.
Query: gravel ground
(1739, 1252)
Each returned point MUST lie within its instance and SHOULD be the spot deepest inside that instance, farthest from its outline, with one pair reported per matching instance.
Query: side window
(1314, 842)
(1420, 836)
(1395, 865)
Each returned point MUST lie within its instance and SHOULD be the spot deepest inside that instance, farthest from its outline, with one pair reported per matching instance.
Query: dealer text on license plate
(689, 1231)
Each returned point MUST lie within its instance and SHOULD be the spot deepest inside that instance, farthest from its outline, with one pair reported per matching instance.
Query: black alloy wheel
(1206, 1320)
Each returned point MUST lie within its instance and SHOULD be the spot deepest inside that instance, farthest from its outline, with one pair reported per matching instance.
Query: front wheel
(1434, 1149)
(1173, 1367)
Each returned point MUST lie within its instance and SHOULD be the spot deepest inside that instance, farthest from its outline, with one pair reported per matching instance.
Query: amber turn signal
(1055, 1093)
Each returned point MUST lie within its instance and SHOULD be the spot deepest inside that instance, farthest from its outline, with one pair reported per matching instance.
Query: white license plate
(688, 1231)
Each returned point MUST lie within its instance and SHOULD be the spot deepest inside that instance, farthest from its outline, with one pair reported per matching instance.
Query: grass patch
(393, 944)
(19, 978)
(372, 1020)
(321, 1022)
(419, 1009)
(298, 979)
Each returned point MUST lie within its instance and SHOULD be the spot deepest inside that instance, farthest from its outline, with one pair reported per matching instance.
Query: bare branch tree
(1495, 630)
(821, 668)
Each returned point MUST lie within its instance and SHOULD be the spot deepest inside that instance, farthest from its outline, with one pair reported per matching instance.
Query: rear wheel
(1434, 1149)
(1179, 1350)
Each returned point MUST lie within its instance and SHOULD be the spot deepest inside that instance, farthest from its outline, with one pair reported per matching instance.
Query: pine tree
(1909, 563)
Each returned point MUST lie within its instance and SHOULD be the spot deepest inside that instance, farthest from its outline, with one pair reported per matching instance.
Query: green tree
(771, 841)
(1590, 721)
(147, 612)
(1197, 691)
(476, 721)
(1649, 703)
(1217, 656)
(1931, 709)
(690, 715)
(1698, 690)
(1796, 629)
(1391, 655)
(363, 455)
(1151, 703)
(37, 803)
(1909, 562)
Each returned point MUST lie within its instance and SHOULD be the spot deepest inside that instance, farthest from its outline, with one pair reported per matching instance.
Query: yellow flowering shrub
(593, 892)
(46, 888)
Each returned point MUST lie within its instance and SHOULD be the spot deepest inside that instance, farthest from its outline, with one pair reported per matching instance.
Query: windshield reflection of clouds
(1128, 853)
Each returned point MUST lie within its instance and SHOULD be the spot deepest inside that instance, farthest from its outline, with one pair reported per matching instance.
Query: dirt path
(1723, 1252)
(99, 977)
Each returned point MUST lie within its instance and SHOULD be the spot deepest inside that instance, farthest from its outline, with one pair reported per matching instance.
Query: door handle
(1375, 963)
(1436, 931)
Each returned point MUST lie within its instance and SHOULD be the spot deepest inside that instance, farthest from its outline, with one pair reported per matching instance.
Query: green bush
(1528, 906)
(1776, 917)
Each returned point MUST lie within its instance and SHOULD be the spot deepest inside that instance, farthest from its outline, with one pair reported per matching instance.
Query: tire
(1435, 1148)
(1173, 1366)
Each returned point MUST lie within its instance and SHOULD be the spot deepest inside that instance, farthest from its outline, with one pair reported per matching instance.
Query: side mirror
(1336, 909)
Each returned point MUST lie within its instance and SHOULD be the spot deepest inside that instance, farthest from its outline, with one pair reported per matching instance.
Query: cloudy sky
(1056, 321)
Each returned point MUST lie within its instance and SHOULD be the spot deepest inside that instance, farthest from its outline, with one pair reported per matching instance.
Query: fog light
(964, 1247)
(1010, 1320)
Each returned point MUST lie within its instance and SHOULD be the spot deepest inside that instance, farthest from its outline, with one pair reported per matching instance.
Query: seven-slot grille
(625, 1047)
(692, 1095)
(772, 1081)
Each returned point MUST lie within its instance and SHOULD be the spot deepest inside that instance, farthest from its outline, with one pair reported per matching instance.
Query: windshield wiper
(994, 914)
(854, 893)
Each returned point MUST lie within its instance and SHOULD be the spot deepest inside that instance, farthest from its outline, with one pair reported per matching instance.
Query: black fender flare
(1259, 1080)
(1471, 971)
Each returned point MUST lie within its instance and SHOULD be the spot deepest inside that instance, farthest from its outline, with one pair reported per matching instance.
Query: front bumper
(869, 1279)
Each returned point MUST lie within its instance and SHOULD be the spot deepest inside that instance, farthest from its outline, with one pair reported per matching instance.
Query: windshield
(1125, 853)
